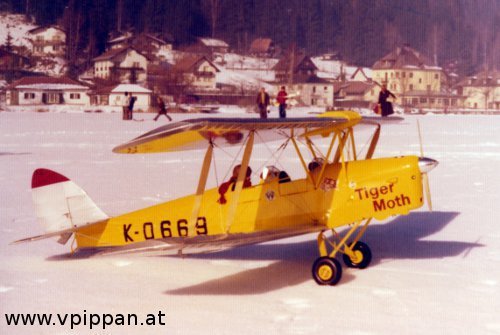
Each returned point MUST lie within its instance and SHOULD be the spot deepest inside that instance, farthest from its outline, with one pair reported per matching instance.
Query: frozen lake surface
(432, 272)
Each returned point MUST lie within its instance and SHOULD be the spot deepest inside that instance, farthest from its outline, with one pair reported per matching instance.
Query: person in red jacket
(224, 187)
(281, 98)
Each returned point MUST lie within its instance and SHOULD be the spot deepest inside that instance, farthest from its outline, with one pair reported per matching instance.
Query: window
(436, 76)
(74, 96)
(428, 87)
(325, 88)
(28, 96)
(314, 89)
(403, 74)
(392, 74)
(420, 80)
(432, 100)
(411, 74)
(135, 64)
(397, 74)
(411, 87)
(53, 98)
(423, 100)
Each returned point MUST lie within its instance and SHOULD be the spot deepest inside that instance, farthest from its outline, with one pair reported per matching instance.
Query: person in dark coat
(162, 110)
(281, 99)
(385, 106)
(263, 102)
(131, 106)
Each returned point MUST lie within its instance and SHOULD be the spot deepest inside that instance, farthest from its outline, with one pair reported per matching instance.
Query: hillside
(17, 26)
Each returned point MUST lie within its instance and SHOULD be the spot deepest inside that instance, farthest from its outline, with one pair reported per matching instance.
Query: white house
(197, 71)
(312, 91)
(117, 96)
(48, 41)
(481, 91)
(47, 91)
(124, 64)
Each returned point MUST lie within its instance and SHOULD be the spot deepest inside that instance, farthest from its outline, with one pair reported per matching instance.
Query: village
(207, 74)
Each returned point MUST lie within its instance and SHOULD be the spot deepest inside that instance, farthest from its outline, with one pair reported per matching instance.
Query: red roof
(189, 62)
(44, 80)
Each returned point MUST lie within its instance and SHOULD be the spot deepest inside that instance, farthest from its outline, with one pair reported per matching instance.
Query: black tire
(327, 271)
(364, 256)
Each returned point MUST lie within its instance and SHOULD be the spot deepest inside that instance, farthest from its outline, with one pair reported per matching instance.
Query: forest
(459, 33)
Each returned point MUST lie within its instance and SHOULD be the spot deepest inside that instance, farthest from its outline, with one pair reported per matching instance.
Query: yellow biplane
(339, 188)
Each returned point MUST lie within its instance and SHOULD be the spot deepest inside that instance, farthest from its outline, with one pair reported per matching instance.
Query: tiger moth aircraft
(339, 188)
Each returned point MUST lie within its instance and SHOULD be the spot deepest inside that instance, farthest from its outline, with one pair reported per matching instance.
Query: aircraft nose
(426, 164)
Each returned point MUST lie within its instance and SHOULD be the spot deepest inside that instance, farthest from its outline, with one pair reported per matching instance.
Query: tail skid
(61, 206)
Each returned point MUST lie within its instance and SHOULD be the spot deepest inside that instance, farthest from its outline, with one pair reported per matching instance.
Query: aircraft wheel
(327, 271)
(362, 256)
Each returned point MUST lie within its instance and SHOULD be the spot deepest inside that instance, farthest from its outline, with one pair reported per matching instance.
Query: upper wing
(204, 244)
(195, 133)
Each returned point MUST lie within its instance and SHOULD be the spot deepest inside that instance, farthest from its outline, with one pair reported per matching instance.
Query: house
(262, 47)
(47, 91)
(12, 65)
(10, 60)
(207, 46)
(413, 78)
(298, 73)
(356, 94)
(294, 65)
(146, 43)
(122, 64)
(481, 91)
(47, 41)
(360, 74)
(195, 70)
(311, 91)
(117, 96)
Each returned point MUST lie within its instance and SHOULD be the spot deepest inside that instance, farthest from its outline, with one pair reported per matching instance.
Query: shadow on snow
(398, 239)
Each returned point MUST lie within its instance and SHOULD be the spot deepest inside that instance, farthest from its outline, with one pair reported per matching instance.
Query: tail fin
(61, 205)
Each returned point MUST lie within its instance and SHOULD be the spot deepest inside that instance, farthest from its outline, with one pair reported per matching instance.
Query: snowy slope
(432, 273)
(18, 27)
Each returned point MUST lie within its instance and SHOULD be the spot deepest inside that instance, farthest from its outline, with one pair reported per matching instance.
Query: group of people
(263, 101)
(128, 106)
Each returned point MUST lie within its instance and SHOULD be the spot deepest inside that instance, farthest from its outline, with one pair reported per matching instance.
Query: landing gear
(326, 269)
(359, 257)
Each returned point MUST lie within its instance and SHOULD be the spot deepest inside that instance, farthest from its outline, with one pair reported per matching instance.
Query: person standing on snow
(126, 103)
(263, 103)
(281, 99)
(162, 110)
(385, 106)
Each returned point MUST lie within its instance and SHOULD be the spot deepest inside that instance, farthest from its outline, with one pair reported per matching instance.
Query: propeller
(425, 165)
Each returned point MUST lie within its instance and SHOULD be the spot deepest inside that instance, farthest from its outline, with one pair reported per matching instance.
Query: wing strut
(373, 143)
(320, 176)
(201, 185)
(231, 213)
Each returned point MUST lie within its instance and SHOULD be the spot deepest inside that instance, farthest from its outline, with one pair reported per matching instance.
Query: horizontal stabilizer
(65, 234)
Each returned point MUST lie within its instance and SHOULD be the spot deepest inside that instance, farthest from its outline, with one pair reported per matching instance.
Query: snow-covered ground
(17, 26)
(432, 273)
